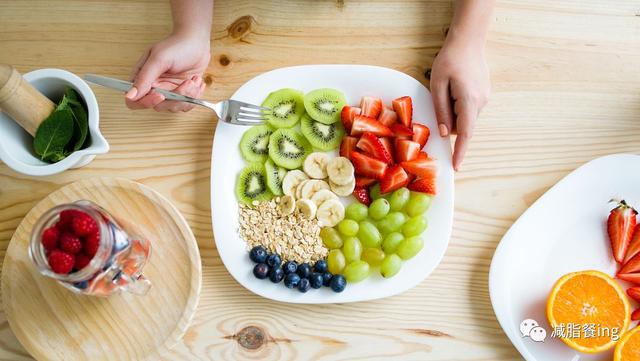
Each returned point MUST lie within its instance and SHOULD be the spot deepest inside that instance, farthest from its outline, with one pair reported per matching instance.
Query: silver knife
(125, 86)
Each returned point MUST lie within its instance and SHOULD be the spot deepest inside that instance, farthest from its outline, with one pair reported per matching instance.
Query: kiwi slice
(287, 106)
(252, 184)
(288, 148)
(324, 105)
(322, 136)
(275, 175)
(254, 144)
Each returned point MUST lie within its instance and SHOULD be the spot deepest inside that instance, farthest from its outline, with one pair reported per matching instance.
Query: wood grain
(565, 77)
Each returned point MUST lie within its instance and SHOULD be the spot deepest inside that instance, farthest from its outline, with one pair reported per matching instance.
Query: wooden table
(566, 89)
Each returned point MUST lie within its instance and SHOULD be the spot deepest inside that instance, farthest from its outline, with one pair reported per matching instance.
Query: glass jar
(117, 264)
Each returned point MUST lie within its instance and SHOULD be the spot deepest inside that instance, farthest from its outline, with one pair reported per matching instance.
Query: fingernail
(443, 130)
(131, 93)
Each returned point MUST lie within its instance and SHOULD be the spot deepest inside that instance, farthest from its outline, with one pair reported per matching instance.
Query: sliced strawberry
(635, 315)
(634, 292)
(404, 109)
(362, 195)
(367, 166)
(372, 146)
(371, 107)
(412, 177)
(406, 150)
(402, 132)
(363, 124)
(387, 116)
(347, 146)
(630, 277)
(364, 182)
(420, 134)
(347, 115)
(620, 226)
(632, 266)
(423, 155)
(386, 143)
(394, 178)
(424, 185)
(423, 168)
(634, 244)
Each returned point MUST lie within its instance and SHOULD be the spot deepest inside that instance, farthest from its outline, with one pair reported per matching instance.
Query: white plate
(563, 231)
(354, 81)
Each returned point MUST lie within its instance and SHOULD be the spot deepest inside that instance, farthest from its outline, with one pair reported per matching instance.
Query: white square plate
(354, 81)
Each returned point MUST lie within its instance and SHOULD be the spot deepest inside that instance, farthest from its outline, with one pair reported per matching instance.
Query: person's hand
(175, 63)
(460, 88)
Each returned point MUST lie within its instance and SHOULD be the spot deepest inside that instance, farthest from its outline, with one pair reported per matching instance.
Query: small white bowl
(16, 145)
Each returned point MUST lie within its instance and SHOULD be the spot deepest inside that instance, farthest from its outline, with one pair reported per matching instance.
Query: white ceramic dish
(354, 81)
(563, 231)
(16, 145)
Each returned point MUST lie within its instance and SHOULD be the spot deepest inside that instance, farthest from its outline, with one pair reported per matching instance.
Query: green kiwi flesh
(287, 106)
(252, 184)
(288, 148)
(275, 175)
(324, 105)
(322, 136)
(254, 144)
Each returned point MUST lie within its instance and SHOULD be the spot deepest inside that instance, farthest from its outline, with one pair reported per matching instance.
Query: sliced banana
(315, 165)
(343, 190)
(340, 171)
(287, 205)
(311, 187)
(323, 195)
(307, 208)
(291, 181)
(298, 192)
(330, 213)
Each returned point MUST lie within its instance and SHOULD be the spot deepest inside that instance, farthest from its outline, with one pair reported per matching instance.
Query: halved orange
(590, 298)
(628, 348)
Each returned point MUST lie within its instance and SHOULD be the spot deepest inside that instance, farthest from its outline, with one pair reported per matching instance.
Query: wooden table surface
(566, 89)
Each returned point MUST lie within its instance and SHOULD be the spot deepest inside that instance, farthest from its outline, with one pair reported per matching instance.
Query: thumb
(148, 74)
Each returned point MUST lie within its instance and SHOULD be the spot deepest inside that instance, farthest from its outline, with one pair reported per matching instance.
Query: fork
(229, 111)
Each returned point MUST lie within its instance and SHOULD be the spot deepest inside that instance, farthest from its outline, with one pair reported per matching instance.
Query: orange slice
(588, 301)
(628, 348)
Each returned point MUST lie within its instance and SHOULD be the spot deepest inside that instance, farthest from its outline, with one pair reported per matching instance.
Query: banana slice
(323, 195)
(340, 171)
(330, 213)
(298, 192)
(311, 187)
(343, 190)
(291, 181)
(307, 208)
(287, 205)
(315, 165)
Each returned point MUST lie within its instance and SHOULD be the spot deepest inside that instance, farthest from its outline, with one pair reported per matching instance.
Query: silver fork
(230, 111)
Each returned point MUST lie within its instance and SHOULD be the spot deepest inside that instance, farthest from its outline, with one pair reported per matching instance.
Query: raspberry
(91, 244)
(83, 225)
(66, 217)
(60, 262)
(81, 261)
(50, 238)
(70, 243)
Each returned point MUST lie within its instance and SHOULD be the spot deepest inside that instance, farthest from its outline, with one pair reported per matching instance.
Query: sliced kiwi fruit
(321, 136)
(287, 106)
(324, 105)
(275, 175)
(252, 184)
(288, 148)
(254, 144)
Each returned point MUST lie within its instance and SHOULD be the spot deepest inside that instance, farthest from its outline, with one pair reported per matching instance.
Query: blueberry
(273, 260)
(258, 254)
(316, 280)
(276, 275)
(338, 283)
(326, 279)
(81, 285)
(304, 270)
(261, 271)
(290, 267)
(304, 285)
(291, 280)
(320, 266)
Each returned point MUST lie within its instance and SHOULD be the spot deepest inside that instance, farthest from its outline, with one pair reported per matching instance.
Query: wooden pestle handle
(21, 101)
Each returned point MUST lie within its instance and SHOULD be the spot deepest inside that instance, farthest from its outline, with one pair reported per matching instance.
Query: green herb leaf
(54, 133)
(81, 123)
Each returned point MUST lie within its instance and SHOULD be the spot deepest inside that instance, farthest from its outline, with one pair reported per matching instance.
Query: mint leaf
(80, 121)
(54, 133)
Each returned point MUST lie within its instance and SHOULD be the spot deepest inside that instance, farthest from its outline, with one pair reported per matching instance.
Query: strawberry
(364, 182)
(347, 115)
(70, 243)
(368, 166)
(387, 116)
(81, 262)
(632, 266)
(50, 238)
(363, 124)
(406, 150)
(629, 277)
(91, 244)
(371, 107)
(634, 244)
(404, 109)
(424, 185)
(423, 155)
(620, 225)
(347, 146)
(635, 315)
(402, 132)
(386, 143)
(362, 195)
(61, 262)
(634, 292)
(423, 168)
(83, 225)
(394, 178)
(420, 134)
(372, 146)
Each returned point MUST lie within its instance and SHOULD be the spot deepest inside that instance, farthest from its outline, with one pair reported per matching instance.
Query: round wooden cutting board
(52, 323)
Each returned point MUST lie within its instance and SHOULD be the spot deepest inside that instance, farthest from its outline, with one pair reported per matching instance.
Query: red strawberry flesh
(420, 134)
(387, 116)
(421, 167)
(362, 124)
(404, 108)
(368, 166)
(372, 146)
(347, 115)
(620, 226)
(347, 146)
(371, 107)
(394, 178)
(362, 195)
(406, 150)
(424, 185)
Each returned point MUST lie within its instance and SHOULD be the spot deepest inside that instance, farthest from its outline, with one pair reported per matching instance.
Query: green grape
(379, 208)
(373, 256)
(418, 204)
(330, 238)
(391, 242)
(356, 211)
(399, 199)
(335, 261)
(410, 247)
(356, 271)
(374, 192)
(414, 226)
(390, 265)
(392, 222)
(352, 249)
(369, 234)
(348, 227)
